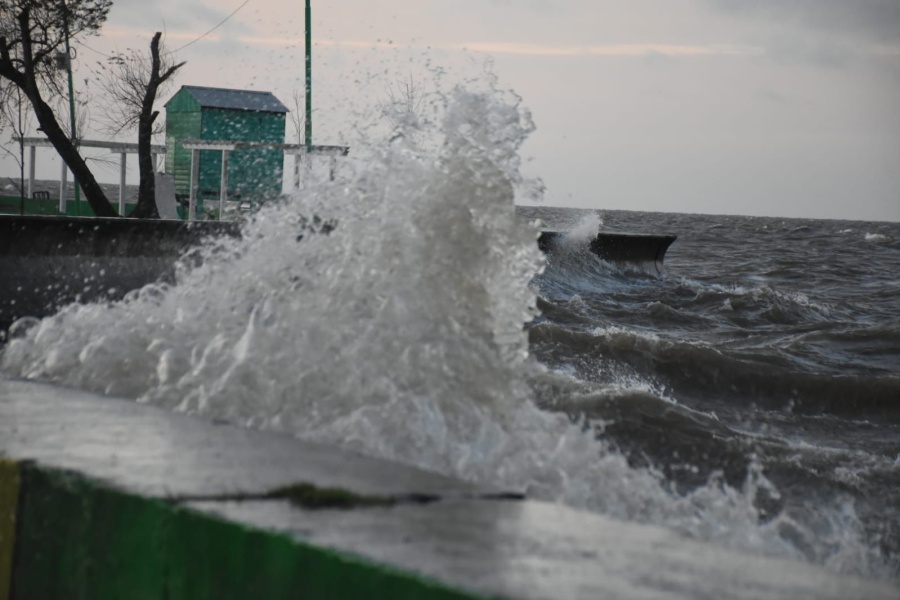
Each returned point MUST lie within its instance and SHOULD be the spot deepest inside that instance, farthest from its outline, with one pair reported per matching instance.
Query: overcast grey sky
(765, 107)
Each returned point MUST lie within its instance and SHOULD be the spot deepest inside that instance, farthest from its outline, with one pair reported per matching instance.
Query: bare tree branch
(298, 115)
(131, 81)
(125, 78)
(32, 33)
(403, 107)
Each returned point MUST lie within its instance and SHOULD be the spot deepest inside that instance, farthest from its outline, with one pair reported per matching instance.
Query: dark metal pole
(308, 79)
(72, 112)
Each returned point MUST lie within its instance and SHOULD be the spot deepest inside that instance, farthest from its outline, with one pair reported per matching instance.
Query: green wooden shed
(218, 114)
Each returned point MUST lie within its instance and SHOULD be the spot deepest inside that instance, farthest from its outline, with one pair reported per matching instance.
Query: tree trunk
(27, 82)
(69, 153)
(146, 207)
(146, 204)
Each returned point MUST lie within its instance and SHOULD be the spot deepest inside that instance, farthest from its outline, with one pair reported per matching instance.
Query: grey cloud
(774, 97)
(173, 15)
(782, 99)
(877, 20)
(541, 7)
(826, 53)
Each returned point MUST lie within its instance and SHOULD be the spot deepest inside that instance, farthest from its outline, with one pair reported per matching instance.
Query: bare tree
(403, 107)
(82, 103)
(298, 115)
(298, 120)
(132, 81)
(404, 101)
(32, 34)
(12, 115)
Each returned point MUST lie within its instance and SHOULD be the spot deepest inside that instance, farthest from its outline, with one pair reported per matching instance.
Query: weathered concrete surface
(536, 550)
(163, 454)
(164, 478)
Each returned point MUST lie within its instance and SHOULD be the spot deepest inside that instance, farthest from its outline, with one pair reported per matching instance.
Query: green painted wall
(185, 125)
(9, 499)
(254, 174)
(183, 120)
(77, 539)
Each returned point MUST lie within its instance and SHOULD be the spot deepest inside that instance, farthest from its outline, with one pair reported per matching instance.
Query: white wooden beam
(63, 175)
(195, 183)
(115, 147)
(31, 154)
(223, 189)
(122, 157)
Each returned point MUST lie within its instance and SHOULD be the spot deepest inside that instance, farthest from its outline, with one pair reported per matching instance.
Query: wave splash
(399, 334)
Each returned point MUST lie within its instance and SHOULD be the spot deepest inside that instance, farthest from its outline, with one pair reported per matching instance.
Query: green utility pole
(308, 80)
(72, 113)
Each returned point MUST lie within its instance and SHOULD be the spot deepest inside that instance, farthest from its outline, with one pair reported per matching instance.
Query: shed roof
(210, 97)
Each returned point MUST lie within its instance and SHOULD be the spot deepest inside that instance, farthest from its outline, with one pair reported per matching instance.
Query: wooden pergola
(121, 148)
(298, 151)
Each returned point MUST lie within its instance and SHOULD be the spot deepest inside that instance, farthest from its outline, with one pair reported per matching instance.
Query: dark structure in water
(644, 250)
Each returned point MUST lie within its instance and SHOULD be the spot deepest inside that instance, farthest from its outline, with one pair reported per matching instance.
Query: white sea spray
(399, 334)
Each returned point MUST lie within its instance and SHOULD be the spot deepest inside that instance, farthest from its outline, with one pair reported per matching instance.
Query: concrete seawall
(104, 498)
(47, 262)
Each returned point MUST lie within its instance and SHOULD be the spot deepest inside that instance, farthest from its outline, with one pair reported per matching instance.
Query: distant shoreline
(9, 186)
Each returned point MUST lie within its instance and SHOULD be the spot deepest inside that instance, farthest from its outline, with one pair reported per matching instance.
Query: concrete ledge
(46, 262)
(120, 500)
